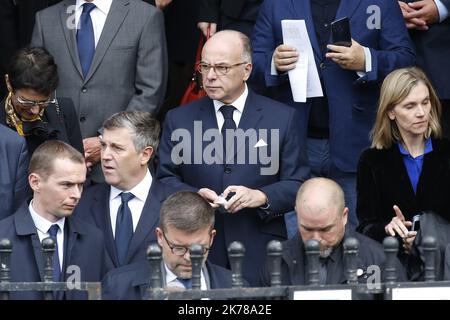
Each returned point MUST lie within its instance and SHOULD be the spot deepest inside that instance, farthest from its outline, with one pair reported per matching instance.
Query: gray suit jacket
(129, 68)
(13, 171)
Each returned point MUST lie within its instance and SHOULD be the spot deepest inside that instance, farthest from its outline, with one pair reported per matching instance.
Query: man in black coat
(322, 216)
(186, 219)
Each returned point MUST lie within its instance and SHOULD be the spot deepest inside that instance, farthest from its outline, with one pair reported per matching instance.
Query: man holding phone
(336, 125)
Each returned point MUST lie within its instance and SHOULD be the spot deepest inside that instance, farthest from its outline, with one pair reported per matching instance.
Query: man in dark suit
(322, 216)
(16, 23)
(13, 171)
(263, 183)
(429, 28)
(186, 219)
(56, 175)
(219, 15)
(129, 141)
(116, 60)
(336, 125)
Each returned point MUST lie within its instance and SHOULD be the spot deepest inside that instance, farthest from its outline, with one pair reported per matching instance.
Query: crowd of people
(96, 153)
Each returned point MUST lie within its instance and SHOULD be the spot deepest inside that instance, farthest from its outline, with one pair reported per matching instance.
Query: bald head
(321, 213)
(234, 41)
(319, 195)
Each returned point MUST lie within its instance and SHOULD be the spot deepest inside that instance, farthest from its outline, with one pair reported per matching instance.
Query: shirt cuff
(442, 9)
(273, 70)
(368, 59)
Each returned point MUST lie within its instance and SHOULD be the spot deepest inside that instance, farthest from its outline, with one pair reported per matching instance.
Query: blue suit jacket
(13, 171)
(131, 282)
(252, 227)
(352, 100)
(94, 209)
(83, 247)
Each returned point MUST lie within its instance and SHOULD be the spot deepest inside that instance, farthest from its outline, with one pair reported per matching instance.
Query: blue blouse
(414, 165)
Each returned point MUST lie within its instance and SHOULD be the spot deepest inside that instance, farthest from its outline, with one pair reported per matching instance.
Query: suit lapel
(399, 169)
(25, 227)
(207, 117)
(149, 218)
(66, 17)
(250, 117)
(100, 212)
(302, 10)
(116, 16)
(346, 8)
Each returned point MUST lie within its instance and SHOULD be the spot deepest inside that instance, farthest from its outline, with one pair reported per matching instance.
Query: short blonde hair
(396, 87)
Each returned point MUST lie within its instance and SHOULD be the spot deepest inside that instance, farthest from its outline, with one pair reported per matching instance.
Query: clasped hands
(243, 198)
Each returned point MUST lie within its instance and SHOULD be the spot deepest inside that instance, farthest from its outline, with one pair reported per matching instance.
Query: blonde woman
(406, 170)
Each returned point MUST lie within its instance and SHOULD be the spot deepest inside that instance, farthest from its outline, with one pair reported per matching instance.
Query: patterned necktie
(85, 38)
(124, 227)
(187, 283)
(53, 231)
(228, 124)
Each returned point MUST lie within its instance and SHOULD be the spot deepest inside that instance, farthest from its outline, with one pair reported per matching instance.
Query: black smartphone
(340, 32)
(416, 223)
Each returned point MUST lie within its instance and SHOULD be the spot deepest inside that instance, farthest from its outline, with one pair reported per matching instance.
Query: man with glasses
(237, 124)
(186, 219)
(31, 108)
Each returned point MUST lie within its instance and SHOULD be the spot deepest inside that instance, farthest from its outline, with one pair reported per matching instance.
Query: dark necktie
(227, 111)
(124, 227)
(53, 231)
(323, 270)
(85, 38)
(187, 283)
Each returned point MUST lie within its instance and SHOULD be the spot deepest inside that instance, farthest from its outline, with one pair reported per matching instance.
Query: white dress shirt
(42, 226)
(239, 104)
(140, 192)
(172, 281)
(98, 15)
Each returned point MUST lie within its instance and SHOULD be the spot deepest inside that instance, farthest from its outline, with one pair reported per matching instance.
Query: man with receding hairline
(57, 172)
(253, 200)
(322, 216)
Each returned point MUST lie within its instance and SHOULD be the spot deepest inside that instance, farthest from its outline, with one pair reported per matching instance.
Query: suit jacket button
(227, 170)
(322, 65)
(84, 90)
(82, 119)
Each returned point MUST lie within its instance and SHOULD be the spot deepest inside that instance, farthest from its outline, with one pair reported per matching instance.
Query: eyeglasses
(30, 103)
(181, 250)
(220, 69)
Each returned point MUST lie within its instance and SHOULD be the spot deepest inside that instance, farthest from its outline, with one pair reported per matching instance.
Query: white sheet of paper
(304, 79)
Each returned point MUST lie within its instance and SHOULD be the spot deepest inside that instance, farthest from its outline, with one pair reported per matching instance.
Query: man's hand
(92, 149)
(425, 10)
(244, 198)
(350, 58)
(204, 27)
(398, 225)
(411, 21)
(285, 57)
(210, 196)
(161, 4)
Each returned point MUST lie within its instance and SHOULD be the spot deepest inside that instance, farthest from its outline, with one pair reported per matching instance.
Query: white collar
(102, 5)
(239, 103)
(41, 223)
(140, 190)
